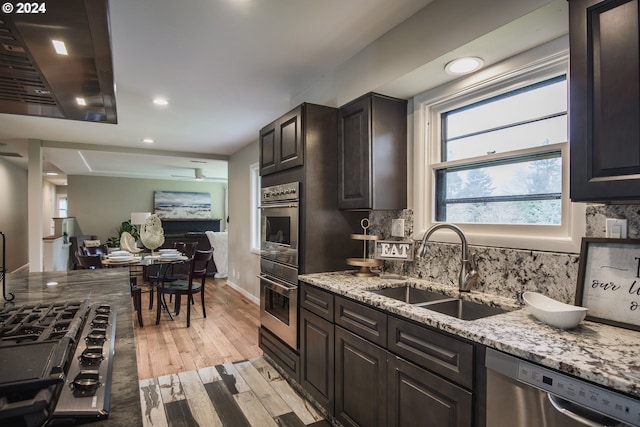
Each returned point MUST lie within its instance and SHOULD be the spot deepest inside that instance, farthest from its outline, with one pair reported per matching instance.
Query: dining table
(164, 261)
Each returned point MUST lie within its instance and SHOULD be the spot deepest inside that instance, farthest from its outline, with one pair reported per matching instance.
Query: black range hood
(37, 81)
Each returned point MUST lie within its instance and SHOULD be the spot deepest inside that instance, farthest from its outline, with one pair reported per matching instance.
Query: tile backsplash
(503, 271)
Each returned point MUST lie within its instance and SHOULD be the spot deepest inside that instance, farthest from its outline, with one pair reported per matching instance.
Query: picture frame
(609, 281)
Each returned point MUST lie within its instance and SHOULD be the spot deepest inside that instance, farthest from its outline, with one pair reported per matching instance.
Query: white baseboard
(244, 292)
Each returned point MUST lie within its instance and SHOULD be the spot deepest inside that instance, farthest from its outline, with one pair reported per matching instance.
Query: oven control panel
(281, 193)
(590, 396)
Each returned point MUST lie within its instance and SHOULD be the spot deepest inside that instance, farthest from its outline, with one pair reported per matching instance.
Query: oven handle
(275, 286)
(279, 205)
(556, 402)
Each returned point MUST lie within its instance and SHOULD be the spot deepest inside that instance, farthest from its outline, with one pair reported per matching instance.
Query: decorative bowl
(119, 253)
(552, 312)
(121, 258)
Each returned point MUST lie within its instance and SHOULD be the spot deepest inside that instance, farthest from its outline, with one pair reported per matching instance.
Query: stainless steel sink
(465, 310)
(410, 294)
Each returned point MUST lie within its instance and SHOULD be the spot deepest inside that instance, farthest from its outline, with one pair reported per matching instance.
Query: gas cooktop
(56, 362)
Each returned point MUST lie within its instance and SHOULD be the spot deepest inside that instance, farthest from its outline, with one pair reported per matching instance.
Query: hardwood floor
(213, 373)
(228, 334)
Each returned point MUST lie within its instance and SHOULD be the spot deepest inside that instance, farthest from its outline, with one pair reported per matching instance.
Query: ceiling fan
(199, 176)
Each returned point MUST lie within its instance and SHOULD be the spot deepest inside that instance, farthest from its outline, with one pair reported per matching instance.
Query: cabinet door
(317, 358)
(604, 100)
(354, 157)
(290, 140)
(361, 380)
(268, 153)
(418, 398)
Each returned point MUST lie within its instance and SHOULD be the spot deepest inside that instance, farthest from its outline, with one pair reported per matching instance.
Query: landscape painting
(182, 205)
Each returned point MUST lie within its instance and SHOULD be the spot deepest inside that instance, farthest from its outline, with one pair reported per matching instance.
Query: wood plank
(289, 420)
(209, 375)
(257, 415)
(304, 409)
(201, 406)
(153, 414)
(232, 379)
(227, 408)
(262, 389)
(170, 388)
(179, 414)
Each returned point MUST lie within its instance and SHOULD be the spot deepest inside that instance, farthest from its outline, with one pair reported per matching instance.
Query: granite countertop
(108, 286)
(596, 352)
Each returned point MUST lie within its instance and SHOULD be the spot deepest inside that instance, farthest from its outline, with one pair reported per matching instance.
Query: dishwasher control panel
(590, 396)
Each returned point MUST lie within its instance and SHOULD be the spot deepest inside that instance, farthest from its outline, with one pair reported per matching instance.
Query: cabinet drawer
(280, 353)
(361, 320)
(444, 355)
(316, 301)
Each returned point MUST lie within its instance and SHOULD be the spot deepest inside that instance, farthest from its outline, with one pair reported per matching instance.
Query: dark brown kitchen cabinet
(372, 153)
(604, 100)
(360, 381)
(419, 398)
(317, 358)
(280, 353)
(281, 143)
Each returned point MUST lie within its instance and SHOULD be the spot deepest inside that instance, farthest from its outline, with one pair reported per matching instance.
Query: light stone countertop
(603, 354)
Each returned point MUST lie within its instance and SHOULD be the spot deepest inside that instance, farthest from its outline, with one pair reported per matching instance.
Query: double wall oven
(279, 261)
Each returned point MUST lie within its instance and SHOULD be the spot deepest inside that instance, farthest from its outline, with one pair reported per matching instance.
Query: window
(254, 172)
(491, 180)
(492, 156)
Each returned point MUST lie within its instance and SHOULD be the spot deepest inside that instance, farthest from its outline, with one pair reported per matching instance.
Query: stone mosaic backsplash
(503, 271)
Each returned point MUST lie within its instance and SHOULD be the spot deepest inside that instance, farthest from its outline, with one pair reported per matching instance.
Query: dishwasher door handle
(559, 406)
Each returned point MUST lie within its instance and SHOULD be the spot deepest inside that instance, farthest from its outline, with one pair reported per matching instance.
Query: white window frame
(255, 183)
(532, 66)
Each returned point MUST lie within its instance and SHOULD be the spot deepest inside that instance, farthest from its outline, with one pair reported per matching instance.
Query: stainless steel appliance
(279, 261)
(523, 394)
(56, 363)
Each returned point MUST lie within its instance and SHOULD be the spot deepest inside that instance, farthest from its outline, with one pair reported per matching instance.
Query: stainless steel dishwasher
(523, 394)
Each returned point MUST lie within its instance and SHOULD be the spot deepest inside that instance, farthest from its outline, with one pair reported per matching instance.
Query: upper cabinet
(372, 153)
(281, 143)
(604, 100)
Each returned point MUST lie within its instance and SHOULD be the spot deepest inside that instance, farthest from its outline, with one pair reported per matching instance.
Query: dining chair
(94, 250)
(188, 249)
(193, 285)
(89, 262)
(136, 294)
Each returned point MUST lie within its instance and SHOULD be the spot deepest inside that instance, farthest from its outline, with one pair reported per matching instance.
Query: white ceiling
(227, 67)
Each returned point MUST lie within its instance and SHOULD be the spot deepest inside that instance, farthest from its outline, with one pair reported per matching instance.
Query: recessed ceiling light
(81, 101)
(160, 101)
(52, 283)
(464, 65)
(60, 47)
(51, 173)
(147, 140)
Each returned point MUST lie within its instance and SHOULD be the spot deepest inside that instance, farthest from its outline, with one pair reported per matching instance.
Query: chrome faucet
(468, 274)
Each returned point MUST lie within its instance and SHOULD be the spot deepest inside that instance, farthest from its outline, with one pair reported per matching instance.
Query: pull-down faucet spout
(468, 274)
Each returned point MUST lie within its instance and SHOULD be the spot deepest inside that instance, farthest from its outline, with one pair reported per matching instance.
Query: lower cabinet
(418, 398)
(317, 358)
(417, 376)
(361, 381)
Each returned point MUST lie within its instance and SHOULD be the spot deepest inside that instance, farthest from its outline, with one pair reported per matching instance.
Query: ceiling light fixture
(147, 140)
(464, 65)
(81, 101)
(51, 173)
(60, 47)
(160, 101)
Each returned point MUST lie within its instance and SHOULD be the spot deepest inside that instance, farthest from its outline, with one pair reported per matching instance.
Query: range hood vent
(36, 81)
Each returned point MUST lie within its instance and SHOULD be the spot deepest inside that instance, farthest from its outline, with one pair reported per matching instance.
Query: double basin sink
(435, 301)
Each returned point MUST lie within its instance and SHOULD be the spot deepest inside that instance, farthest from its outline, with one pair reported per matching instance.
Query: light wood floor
(228, 334)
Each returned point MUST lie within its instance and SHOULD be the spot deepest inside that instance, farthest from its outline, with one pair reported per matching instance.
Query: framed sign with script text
(609, 281)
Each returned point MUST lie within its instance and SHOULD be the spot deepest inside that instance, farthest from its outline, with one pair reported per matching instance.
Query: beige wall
(13, 214)
(244, 265)
(100, 204)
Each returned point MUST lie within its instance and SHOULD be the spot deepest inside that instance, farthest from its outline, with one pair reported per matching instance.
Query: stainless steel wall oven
(279, 261)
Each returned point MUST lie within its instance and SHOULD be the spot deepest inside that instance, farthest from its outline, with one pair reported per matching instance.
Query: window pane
(533, 134)
(521, 192)
(529, 103)
(538, 212)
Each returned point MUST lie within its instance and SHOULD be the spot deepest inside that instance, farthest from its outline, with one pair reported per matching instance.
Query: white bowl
(119, 253)
(168, 251)
(121, 258)
(552, 312)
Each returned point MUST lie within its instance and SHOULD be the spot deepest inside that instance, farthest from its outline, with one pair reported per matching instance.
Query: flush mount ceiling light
(464, 65)
(147, 140)
(60, 47)
(81, 101)
(160, 101)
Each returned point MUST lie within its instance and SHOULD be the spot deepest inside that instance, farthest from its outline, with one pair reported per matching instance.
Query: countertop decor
(596, 352)
(108, 286)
